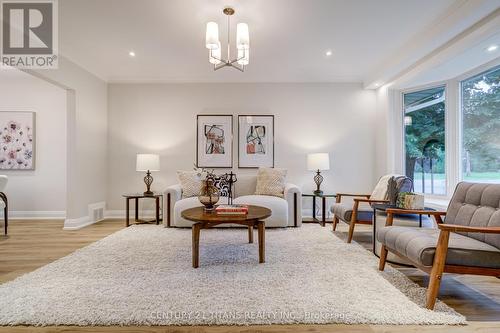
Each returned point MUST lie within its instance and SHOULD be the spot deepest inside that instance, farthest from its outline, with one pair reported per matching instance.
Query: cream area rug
(142, 275)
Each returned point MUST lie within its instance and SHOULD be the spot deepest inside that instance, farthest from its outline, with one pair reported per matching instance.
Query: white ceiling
(288, 38)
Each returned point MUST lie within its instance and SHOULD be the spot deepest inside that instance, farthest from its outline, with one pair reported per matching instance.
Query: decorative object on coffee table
(318, 162)
(136, 196)
(255, 141)
(209, 194)
(207, 220)
(214, 141)
(148, 163)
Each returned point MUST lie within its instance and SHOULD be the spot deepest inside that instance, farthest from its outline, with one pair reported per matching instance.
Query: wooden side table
(136, 196)
(323, 207)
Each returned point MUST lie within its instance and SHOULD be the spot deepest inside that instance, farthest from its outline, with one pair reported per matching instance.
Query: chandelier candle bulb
(215, 55)
(212, 36)
(243, 56)
(242, 36)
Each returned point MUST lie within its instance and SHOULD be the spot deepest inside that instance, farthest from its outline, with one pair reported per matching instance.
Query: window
(424, 129)
(481, 127)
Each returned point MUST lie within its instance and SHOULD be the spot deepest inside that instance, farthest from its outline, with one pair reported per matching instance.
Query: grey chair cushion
(344, 212)
(419, 245)
(476, 205)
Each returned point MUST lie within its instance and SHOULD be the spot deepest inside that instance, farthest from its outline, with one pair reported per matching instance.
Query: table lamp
(318, 162)
(148, 163)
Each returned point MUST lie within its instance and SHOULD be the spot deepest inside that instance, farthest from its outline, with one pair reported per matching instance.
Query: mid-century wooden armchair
(354, 214)
(467, 243)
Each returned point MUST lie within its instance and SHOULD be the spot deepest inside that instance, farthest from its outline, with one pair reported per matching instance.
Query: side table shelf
(136, 196)
(323, 207)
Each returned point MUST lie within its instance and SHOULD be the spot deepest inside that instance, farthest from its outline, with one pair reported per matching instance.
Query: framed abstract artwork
(255, 141)
(17, 140)
(214, 147)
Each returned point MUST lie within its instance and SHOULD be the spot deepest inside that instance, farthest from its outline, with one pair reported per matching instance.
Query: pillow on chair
(271, 181)
(190, 183)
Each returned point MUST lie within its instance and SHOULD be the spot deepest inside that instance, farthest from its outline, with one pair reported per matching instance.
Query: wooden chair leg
(437, 269)
(335, 222)
(351, 231)
(383, 258)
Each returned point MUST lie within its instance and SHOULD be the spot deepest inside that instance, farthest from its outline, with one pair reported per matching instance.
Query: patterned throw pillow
(271, 181)
(190, 183)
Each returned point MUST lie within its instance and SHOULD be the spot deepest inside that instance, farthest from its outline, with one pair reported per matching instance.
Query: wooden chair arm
(370, 200)
(414, 211)
(463, 228)
(340, 195)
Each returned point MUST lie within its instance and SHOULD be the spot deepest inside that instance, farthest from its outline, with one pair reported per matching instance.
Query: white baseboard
(120, 214)
(75, 224)
(81, 222)
(36, 215)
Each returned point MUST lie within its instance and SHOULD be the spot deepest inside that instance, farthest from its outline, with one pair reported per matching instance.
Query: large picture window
(481, 127)
(424, 129)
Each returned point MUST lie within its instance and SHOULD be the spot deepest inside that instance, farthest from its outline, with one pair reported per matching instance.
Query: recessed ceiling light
(377, 84)
(328, 53)
(132, 54)
(492, 48)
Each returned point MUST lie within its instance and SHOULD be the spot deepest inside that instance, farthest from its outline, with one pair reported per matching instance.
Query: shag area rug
(142, 275)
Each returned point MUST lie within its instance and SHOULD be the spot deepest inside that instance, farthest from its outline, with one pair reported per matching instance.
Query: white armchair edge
(172, 194)
(293, 195)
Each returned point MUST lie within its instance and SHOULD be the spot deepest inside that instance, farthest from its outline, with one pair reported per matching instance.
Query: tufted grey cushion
(344, 212)
(476, 205)
(419, 245)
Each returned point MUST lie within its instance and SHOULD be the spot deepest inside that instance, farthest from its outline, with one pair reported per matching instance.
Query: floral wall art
(17, 140)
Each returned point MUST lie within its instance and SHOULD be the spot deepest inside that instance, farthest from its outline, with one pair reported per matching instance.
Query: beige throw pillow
(190, 183)
(271, 181)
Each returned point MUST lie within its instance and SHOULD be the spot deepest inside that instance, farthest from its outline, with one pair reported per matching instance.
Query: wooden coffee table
(207, 220)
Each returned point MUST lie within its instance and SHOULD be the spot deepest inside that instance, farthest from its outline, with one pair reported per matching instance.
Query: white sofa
(286, 211)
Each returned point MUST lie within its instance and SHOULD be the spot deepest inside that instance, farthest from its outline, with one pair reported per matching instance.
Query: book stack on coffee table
(232, 210)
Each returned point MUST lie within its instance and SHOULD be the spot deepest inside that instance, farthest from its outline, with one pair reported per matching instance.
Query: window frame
(453, 126)
(402, 134)
(460, 80)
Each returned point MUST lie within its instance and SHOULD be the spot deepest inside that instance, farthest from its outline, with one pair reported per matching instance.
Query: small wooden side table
(323, 207)
(136, 196)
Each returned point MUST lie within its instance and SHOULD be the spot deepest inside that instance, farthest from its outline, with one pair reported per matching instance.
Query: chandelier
(214, 47)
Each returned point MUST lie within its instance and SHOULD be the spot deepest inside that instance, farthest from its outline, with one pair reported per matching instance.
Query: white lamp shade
(148, 162)
(242, 36)
(318, 161)
(215, 55)
(212, 36)
(246, 59)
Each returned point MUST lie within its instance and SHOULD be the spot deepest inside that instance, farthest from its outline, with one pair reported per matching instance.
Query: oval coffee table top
(198, 214)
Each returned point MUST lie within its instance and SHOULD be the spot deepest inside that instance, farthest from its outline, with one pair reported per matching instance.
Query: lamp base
(149, 193)
(148, 180)
(318, 192)
(318, 179)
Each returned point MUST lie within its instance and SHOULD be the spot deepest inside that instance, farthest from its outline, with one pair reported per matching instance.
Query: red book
(232, 209)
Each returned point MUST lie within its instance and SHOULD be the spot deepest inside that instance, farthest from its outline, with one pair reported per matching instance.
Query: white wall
(86, 139)
(161, 118)
(40, 192)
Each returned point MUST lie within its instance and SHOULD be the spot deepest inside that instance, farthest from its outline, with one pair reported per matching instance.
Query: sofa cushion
(419, 245)
(278, 206)
(476, 205)
(190, 183)
(270, 181)
(344, 212)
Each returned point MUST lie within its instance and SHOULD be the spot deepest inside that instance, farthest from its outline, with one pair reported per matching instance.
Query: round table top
(198, 214)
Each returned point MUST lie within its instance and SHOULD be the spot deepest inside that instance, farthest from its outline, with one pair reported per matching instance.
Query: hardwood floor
(32, 244)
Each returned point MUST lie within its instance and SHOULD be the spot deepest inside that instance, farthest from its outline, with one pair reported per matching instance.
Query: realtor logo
(29, 34)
